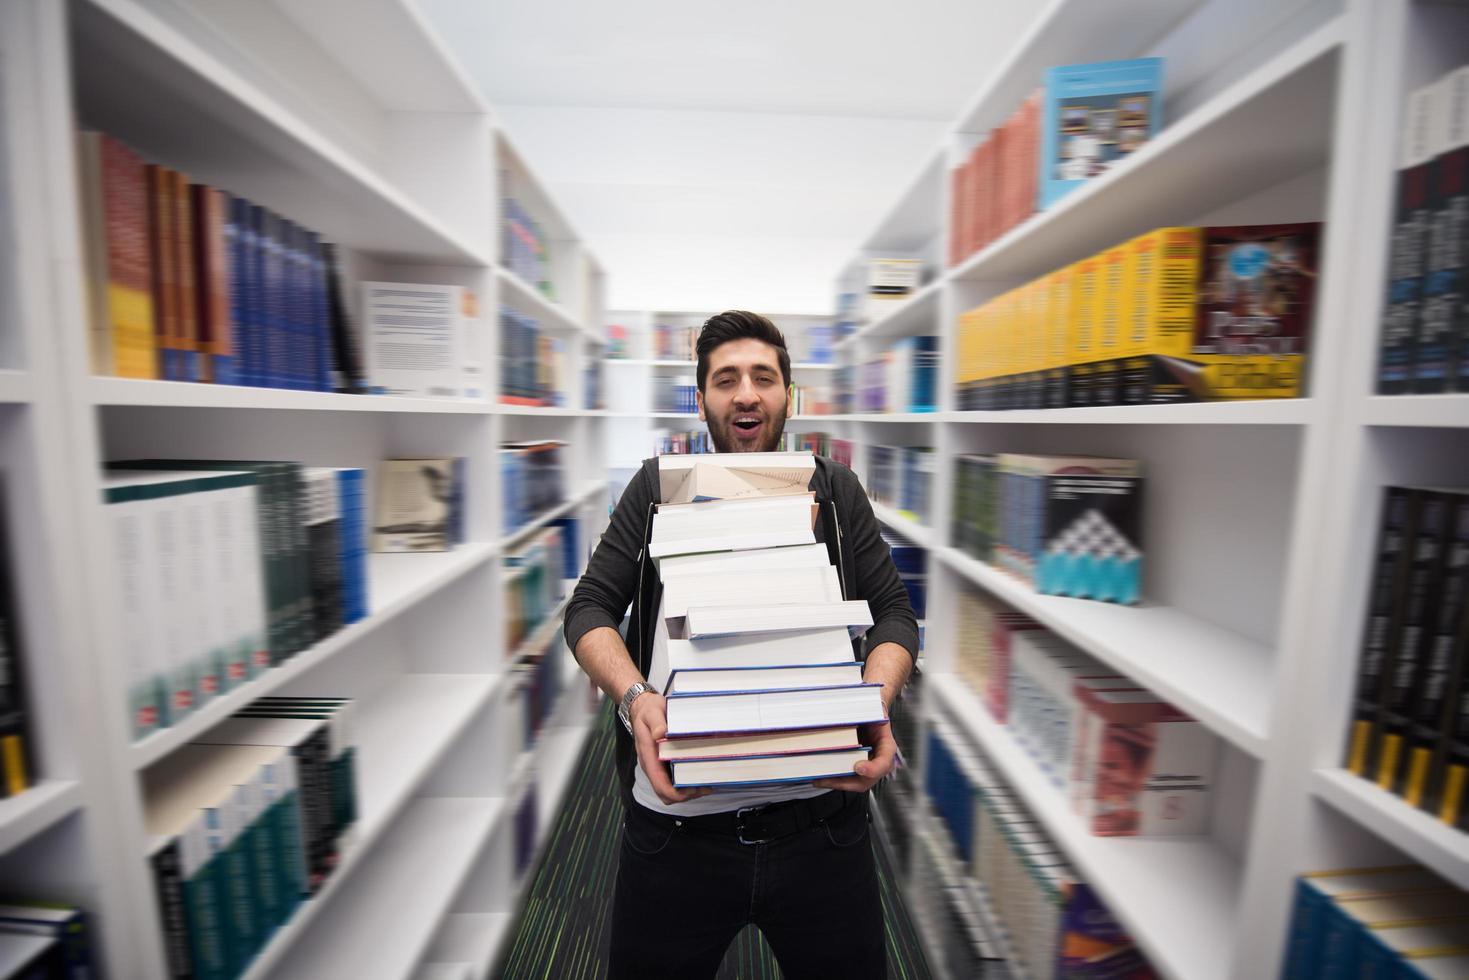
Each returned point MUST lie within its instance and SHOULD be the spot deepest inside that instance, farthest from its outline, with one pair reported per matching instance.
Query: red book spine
(183, 260)
(164, 278)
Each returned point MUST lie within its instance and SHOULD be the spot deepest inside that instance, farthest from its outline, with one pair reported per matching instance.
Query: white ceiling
(734, 150)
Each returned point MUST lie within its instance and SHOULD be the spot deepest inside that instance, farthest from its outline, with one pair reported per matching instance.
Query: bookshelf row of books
(1174, 315)
(912, 565)
(535, 687)
(675, 395)
(1424, 342)
(958, 940)
(244, 824)
(420, 340)
(1053, 923)
(1410, 712)
(532, 363)
(904, 378)
(1129, 763)
(768, 690)
(45, 941)
(1066, 525)
(226, 569)
(901, 477)
(187, 282)
(1393, 921)
(534, 583)
(1083, 120)
(523, 247)
(532, 480)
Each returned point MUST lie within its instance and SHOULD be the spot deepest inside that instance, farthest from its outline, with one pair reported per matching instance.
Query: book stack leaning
(753, 647)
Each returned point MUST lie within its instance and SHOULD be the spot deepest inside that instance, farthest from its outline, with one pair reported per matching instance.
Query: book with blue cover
(1095, 115)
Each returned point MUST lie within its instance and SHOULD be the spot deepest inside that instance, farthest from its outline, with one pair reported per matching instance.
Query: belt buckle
(740, 824)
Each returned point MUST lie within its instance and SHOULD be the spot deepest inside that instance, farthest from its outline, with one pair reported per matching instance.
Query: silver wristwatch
(625, 706)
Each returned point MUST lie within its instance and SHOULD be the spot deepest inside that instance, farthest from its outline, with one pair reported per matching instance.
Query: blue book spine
(292, 362)
(1301, 960)
(228, 367)
(320, 314)
(256, 325)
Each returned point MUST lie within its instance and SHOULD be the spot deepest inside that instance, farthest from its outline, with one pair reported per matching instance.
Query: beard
(729, 438)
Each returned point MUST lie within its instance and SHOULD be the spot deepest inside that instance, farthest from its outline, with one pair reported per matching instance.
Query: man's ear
(790, 398)
(699, 400)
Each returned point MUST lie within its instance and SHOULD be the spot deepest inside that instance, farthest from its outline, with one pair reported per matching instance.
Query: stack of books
(227, 568)
(1410, 716)
(44, 941)
(1398, 921)
(1066, 525)
(1424, 345)
(244, 824)
(187, 282)
(752, 647)
(1175, 315)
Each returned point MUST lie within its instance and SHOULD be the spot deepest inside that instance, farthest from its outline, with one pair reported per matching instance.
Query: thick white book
(773, 711)
(781, 585)
(820, 646)
(734, 620)
(760, 743)
(711, 481)
(799, 768)
(677, 521)
(718, 680)
(734, 540)
(759, 560)
(789, 467)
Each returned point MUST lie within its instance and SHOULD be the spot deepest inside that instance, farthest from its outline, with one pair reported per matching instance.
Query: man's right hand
(650, 723)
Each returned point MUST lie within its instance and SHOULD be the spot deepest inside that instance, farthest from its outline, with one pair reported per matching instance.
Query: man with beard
(696, 866)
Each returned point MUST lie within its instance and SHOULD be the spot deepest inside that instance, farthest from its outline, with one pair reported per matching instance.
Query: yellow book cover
(1058, 335)
(1110, 321)
(1040, 340)
(1085, 283)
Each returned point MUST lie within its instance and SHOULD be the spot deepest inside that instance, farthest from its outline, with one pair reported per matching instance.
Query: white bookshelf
(387, 150)
(1260, 516)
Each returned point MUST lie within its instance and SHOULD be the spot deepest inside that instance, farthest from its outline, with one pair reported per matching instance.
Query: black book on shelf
(1389, 577)
(1404, 674)
(346, 368)
(1442, 647)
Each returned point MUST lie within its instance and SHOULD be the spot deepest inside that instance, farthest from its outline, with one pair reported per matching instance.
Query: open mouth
(746, 423)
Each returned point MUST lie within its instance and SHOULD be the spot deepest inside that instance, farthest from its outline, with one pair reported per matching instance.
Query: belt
(768, 823)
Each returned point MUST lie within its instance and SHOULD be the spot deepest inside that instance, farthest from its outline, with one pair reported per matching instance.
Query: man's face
(744, 398)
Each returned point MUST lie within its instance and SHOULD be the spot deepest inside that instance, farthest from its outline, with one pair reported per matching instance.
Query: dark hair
(721, 328)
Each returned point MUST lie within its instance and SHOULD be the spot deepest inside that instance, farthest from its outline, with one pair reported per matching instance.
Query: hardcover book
(1094, 116)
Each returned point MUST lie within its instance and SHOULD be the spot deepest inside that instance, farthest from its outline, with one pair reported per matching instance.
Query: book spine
(1441, 645)
(218, 304)
(259, 292)
(1404, 671)
(1388, 577)
(134, 346)
(302, 607)
(1407, 253)
(162, 257)
(168, 887)
(189, 359)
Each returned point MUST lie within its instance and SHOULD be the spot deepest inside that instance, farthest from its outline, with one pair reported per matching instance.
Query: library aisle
(332, 332)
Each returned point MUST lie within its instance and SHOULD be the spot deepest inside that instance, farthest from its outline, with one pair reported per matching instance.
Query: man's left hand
(883, 762)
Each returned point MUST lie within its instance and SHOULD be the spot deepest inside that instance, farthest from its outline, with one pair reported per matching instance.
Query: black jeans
(683, 894)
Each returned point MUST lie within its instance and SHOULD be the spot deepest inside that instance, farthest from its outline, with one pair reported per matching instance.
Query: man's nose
(746, 396)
